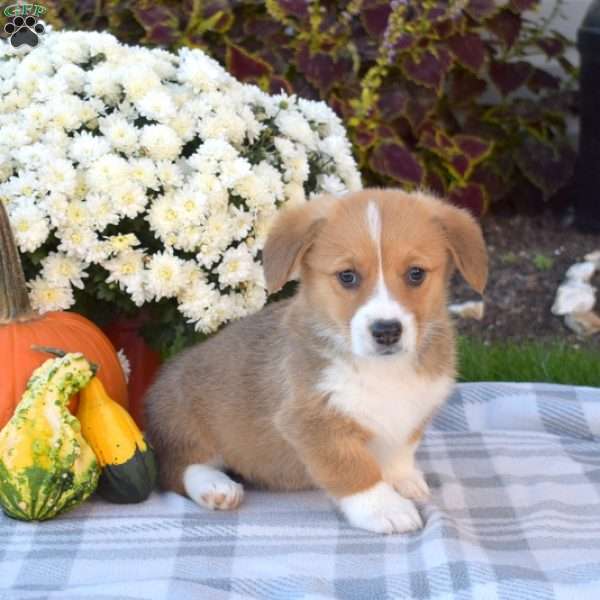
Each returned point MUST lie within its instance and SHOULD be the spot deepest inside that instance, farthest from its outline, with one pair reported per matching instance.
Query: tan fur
(248, 398)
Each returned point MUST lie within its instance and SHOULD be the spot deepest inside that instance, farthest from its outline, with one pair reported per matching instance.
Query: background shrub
(437, 94)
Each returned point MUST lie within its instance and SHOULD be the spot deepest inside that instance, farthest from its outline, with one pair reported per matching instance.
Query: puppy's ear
(290, 236)
(466, 245)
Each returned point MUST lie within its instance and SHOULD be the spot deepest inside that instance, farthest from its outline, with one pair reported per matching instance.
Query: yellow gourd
(127, 460)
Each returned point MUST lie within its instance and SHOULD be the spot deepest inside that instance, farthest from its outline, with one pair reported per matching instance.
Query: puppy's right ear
(290, 236)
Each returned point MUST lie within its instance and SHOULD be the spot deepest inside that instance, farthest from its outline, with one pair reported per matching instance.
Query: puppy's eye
(349, 278)
(415, 276)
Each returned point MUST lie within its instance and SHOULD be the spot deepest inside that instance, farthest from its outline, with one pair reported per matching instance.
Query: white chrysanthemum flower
(143, 171)
(293, 125)
(163, 216)
(70, 48)
(234, 170)
(59, 177)
(102, 211)
(77, 214)
(46, 296)
(122, 242)
(295, 194)
(169, 174)
(120, 134)
(56, 139)
(101, 82)
(156, 105)
(241, 222)
(190, 203)
(36, 115)
(255, 296)
(67, 112)
(30, 225)
(138, 80)
(77, 241)
(125, 364)
(165, 275)
(73, 76)
(62, 270)
(108, 173)
(272, 181)
(201, 72)
(195, 301)
(127, 270)
(237, 266)
(129, 199)
(24, 184)
(86, 148)
(160, 142)
(331, 184)
(35, 156)
(225, 124)
(6, 167)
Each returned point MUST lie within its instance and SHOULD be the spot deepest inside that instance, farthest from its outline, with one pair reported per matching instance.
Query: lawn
(551, 362)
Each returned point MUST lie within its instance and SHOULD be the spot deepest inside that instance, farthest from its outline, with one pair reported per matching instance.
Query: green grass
(551, 362)
(543, 262)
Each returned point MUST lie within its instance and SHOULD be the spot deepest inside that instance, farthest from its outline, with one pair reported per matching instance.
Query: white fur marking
(380, 509)
(386, 396)
(211, 488)
(381, 305)
(374, 222)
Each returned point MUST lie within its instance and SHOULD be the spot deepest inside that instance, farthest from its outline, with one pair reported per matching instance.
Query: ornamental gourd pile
(46, 464)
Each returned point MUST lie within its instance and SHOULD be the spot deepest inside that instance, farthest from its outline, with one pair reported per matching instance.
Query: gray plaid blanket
(515, 513)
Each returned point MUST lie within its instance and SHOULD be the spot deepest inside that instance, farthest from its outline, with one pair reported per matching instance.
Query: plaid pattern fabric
(515, 514)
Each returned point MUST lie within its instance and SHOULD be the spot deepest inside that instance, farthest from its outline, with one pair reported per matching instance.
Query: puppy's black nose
(385, 332)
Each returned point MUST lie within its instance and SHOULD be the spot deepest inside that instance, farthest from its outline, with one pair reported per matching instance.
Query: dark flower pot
(144, 362)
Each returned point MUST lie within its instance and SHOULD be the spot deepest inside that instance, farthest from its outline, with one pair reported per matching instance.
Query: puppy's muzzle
(386, 332)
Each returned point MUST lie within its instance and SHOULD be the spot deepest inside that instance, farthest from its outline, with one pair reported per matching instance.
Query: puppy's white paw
(211, 488)
(381, 509)
(413, 486)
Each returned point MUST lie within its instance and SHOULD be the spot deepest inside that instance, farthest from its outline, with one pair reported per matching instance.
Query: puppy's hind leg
(211, 488)
(188, 455)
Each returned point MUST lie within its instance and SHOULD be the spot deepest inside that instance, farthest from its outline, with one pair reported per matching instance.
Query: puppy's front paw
(413, 486)
(211, 488)
(381, 509)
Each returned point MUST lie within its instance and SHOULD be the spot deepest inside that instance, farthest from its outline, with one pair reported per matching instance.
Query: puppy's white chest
(387, 397)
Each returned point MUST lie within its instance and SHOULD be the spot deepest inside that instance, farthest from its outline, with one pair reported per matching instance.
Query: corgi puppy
(333, 387)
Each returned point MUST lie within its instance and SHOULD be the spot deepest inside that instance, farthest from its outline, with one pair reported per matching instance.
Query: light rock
(586, 323)
(574, 297)
(473, 309)
(582, 271)
(594, 257)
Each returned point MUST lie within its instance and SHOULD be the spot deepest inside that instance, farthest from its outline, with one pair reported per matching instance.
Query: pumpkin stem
(60, 353)
(14, 299)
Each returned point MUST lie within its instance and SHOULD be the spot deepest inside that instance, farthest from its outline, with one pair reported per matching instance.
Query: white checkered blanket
(515, 514)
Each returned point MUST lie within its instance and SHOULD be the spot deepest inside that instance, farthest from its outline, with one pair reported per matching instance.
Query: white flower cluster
(160, 168)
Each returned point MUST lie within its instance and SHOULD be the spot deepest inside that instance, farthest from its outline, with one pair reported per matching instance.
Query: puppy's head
(375, 264)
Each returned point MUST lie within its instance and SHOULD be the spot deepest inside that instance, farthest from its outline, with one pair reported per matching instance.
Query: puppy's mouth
(389, 351)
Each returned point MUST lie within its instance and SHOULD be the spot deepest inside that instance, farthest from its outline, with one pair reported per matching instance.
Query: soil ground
(529, 256)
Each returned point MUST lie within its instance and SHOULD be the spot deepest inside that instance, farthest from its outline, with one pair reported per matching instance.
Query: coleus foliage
(469, 98)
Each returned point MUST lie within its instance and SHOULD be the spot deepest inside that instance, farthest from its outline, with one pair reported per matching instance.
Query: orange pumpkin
(21, 328)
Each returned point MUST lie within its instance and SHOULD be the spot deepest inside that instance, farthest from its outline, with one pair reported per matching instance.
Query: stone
(472, 309)
(574, 296)
(583, 323)
(582, 271)
(594, 257)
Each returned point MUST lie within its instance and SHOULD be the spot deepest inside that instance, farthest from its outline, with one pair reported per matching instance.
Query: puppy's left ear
(290, 236)
(466, 245)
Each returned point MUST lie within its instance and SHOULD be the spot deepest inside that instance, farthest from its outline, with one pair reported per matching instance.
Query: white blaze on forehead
(381, 305)
(374, 222)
